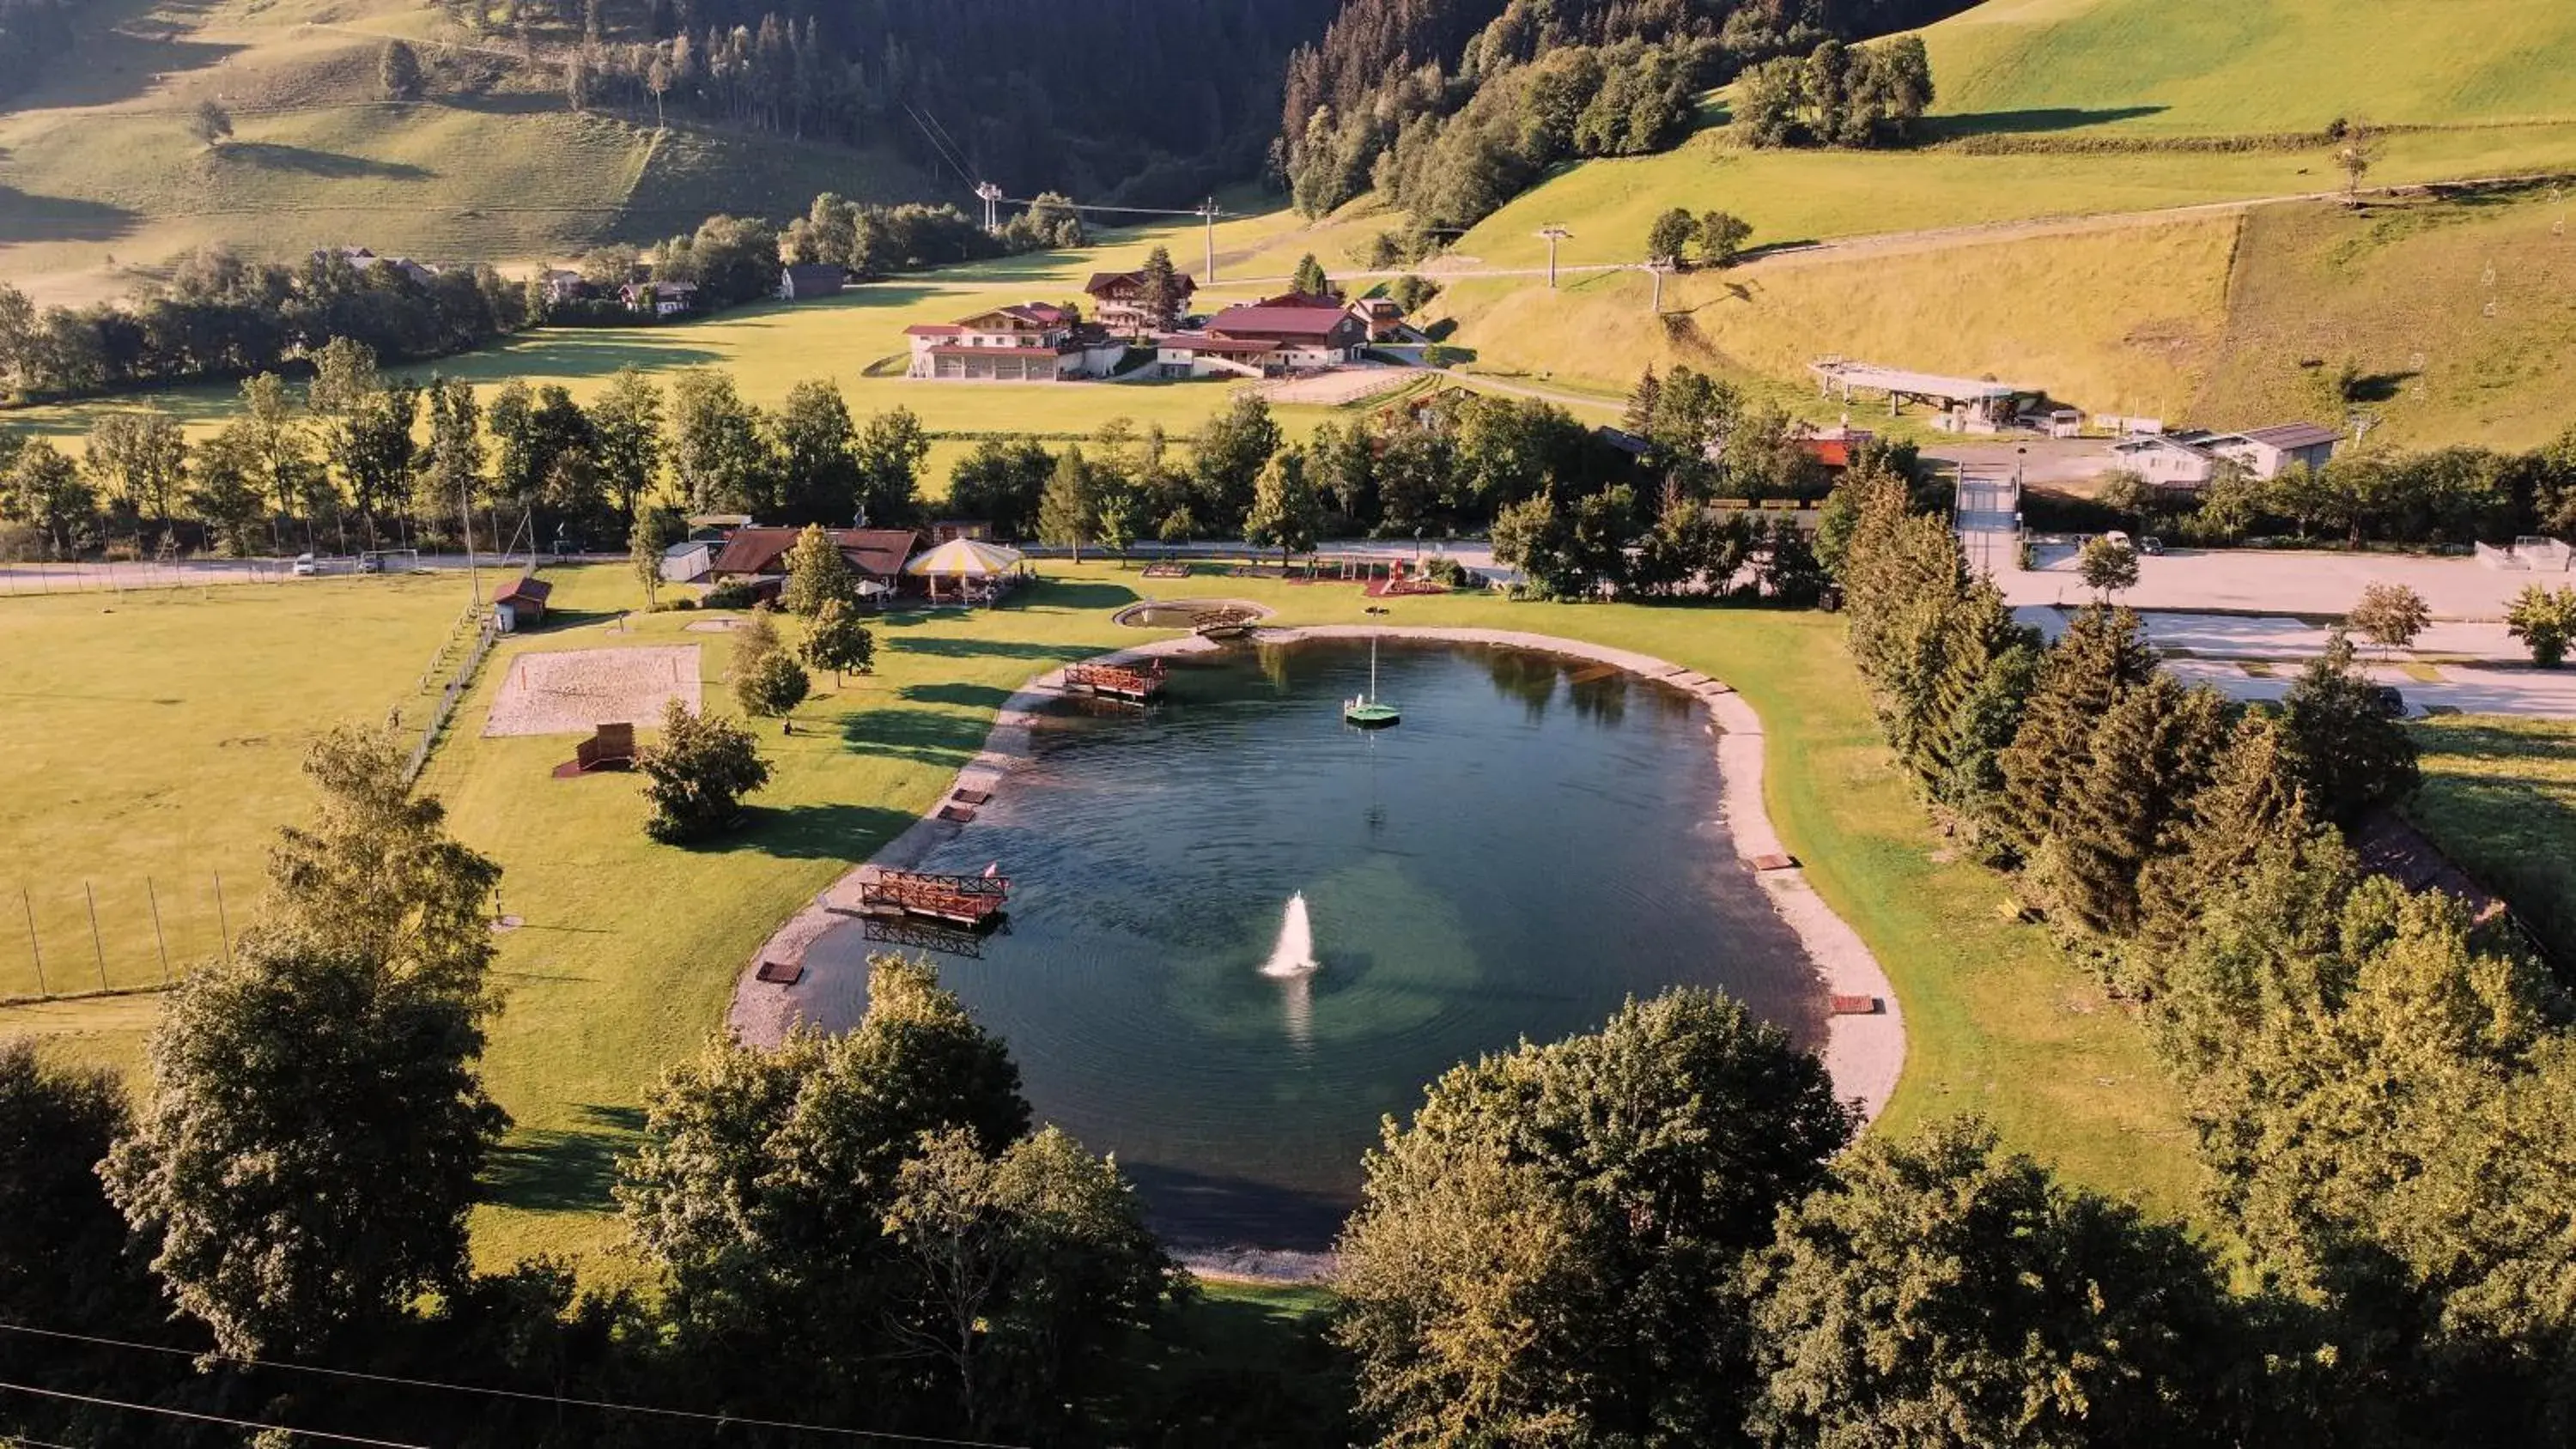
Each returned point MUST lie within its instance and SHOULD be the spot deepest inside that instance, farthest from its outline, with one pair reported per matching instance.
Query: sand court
(572, 691)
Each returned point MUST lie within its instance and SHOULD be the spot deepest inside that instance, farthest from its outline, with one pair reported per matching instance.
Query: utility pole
(992, 197)
(1554, 234)
(1207, 215)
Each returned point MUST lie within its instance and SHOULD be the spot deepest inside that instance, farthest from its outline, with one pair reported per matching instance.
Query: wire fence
(451, 673)
(63, 938)
(136, 575)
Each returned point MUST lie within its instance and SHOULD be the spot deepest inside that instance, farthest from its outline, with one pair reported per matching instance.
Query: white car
(307, 566)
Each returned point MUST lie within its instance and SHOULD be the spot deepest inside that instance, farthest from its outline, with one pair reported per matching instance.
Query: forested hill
(1143, 99)
(1408, 96)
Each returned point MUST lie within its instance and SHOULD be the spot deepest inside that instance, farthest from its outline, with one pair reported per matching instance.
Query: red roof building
(877, 554)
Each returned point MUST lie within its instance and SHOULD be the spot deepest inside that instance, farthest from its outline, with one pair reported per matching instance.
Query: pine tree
(398, 71)
(1641, 403)
(2150, 753)
(1160, 292)
(2103, 656)
(2251, 798)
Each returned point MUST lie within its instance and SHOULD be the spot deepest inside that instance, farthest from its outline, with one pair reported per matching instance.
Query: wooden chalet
(875, 555)
(1118, 301)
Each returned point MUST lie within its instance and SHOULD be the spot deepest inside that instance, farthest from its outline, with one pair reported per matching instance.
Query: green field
(2499, 797)
(154, 739)
(630, 949)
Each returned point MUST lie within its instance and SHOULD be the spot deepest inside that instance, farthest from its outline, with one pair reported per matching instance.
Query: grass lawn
(630, 950)
(156, 737)
(2499, 797)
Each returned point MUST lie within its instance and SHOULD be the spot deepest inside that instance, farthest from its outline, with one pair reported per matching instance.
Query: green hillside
(2013, 244)
(2257, 65)
(100, 182)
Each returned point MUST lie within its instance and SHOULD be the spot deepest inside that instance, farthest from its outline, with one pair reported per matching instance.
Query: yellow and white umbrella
(961, 560)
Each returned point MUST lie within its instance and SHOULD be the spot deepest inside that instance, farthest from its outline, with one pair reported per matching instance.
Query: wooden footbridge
(1117, 681)
(972, 901)
(1224, 623)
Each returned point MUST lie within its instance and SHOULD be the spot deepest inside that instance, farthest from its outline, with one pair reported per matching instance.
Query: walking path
(1864, 1052)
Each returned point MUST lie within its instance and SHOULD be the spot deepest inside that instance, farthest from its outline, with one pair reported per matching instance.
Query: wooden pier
(1117, 681)
(972, 901)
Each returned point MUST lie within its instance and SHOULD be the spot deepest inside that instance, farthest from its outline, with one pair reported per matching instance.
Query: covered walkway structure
(1980, 401)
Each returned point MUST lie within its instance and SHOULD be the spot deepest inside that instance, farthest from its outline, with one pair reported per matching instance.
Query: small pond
(1535, 843)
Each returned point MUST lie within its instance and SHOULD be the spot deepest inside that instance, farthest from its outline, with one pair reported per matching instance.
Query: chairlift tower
(1554, 234)
(992, 198)
(1208, 215)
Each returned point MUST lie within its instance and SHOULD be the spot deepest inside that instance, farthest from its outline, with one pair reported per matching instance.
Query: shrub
(696, 774)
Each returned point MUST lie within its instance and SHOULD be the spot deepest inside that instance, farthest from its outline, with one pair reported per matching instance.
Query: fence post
(223, 925)
(96, 946)
(34, 949)
(158, 943)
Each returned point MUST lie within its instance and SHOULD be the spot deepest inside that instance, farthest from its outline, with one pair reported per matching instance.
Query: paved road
(2287, 582)
(102, 578)
(2221, 647)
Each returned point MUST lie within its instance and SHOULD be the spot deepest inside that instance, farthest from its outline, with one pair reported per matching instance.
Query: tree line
(362, 458)
(2370, 1073)
(1451, 108)
(2363, 495)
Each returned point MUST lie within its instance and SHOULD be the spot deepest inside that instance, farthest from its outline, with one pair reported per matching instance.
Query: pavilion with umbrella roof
(966, 561)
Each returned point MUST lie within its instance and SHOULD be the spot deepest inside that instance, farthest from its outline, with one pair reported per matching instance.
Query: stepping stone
(1855, 1006)
(1767, 863)
(782, 973)
(958, 813)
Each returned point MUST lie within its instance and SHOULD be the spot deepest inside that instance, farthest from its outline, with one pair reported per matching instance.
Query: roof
(876, 551)
(1281, 322)
(1036, 314)
(2290, 436)
(1303, 299)
(934, 329)
(1917, 384)
(1103, 281)
(529, 589)
(822, 273)
(1832, 452)
(1201, 342)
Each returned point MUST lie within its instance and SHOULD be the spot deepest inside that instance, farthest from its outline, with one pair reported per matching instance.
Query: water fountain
(1294, 956)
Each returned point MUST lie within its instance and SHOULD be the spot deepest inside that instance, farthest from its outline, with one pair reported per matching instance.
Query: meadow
(629, 950)
(2499, 797)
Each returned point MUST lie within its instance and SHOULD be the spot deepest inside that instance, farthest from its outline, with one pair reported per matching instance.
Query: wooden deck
(1116, 681)
(972, 901)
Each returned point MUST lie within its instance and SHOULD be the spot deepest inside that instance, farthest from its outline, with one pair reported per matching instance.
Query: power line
(210, 1418)
(519, 1394)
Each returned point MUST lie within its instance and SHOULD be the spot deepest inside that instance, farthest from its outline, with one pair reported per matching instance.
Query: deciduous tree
(2342, 748)
(696, 774)
(817, 574)
(837, 641)
(1542, 1254)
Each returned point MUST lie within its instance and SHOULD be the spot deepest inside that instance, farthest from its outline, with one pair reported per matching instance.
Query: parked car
(2390, 700)
(2151, 545)
(371, 563)
(307, 566)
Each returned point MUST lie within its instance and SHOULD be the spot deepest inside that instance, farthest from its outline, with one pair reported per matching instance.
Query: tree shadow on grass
(972, 696)
(930, 737)
(971, 648)
(563, 1170)
(1070, 595)
(335, 165)
(2034, 121)
(812, 832)
(25, 218)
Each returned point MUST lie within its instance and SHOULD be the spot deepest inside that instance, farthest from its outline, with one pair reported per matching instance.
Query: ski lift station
(1967, 404)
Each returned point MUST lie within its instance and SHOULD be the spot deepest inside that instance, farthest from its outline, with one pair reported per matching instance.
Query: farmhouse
(807, 280)
(759, 555)
(1283, 334)
(2188, 460)
(1118, 301)
(1023, 342)
(1384, 318)
(662, 299)
(563, 286)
